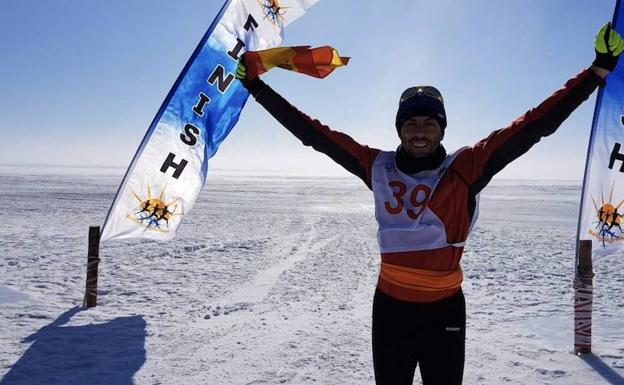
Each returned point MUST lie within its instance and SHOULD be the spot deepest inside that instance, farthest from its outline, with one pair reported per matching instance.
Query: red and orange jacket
(454, 200)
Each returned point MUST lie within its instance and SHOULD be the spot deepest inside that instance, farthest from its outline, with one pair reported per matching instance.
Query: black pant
(430, 334)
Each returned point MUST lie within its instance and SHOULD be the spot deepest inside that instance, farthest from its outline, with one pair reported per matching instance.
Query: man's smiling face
(421, 136)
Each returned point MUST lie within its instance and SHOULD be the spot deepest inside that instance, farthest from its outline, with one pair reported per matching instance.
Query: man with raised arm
(426, 202)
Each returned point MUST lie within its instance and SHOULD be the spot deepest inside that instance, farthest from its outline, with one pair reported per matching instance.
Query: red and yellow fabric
(318, 62)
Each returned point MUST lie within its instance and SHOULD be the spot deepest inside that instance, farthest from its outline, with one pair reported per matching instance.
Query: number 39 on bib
(417, 199)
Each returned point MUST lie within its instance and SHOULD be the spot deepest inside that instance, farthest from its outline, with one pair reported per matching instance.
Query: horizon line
(273, 171)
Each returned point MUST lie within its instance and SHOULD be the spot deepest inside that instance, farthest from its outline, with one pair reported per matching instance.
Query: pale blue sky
(81, 80)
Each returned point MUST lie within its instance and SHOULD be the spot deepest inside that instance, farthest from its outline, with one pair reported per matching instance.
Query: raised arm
(492, 154)
(351, 155)
(486, 158)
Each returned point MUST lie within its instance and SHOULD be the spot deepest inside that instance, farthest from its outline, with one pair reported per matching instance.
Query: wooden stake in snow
(583, 298)
(93, 259)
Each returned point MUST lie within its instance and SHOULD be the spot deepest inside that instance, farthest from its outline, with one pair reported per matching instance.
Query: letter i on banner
(170, 167)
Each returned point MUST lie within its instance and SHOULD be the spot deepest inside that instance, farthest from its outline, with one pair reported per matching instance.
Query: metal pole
(583, 299)
(93, 259)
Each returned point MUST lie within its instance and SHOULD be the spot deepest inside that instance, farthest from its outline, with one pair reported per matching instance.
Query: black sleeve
(501, 147)
(354, 157)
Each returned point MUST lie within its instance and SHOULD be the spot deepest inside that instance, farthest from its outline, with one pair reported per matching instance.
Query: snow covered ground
(271, 281)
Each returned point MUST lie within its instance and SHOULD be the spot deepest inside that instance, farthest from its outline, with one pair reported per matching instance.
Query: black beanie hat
(421, 101)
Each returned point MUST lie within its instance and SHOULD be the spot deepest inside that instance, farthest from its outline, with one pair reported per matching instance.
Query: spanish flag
(318, 62)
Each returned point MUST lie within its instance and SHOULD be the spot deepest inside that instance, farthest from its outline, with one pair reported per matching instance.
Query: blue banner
(602, 202)
(171, 164)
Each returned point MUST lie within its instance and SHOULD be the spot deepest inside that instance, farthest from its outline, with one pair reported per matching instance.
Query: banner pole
(93, 260)
(583, 299)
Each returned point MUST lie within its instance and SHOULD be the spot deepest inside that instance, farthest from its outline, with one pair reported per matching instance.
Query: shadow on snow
(102, 354)
(610, 375)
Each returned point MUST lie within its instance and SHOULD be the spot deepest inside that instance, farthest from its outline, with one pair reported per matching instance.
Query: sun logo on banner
(154, 213)
(608, 228)
(273, 11)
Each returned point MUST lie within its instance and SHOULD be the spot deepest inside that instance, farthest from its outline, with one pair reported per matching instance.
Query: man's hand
(241, 70)
(252, 85)
(609, 45)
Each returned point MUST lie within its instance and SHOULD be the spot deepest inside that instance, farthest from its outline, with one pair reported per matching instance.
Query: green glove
(241, 70)
(252, 85)
(609, 45)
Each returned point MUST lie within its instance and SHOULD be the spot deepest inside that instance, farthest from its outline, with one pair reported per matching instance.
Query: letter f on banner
(169, 169)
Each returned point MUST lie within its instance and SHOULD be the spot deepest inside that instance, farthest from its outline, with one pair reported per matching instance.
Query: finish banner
(602, 203)
(170, 167)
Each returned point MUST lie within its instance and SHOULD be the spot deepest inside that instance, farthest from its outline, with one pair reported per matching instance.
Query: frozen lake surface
(271, 280)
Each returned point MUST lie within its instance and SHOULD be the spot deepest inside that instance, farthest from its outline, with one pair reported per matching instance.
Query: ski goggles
(432, 92)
